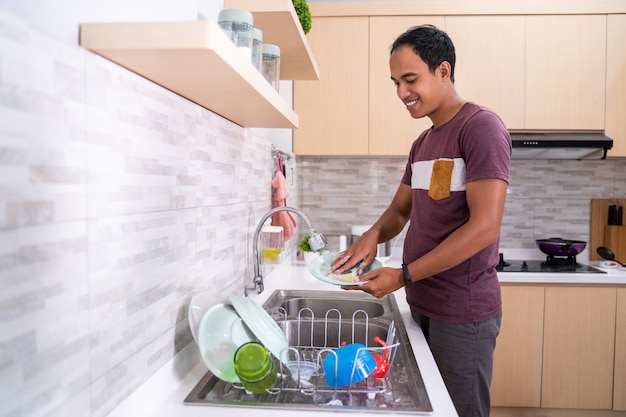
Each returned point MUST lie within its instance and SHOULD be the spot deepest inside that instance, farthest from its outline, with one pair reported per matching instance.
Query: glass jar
(237, 24)
(271, 64)
(257, 48)
(255, 367)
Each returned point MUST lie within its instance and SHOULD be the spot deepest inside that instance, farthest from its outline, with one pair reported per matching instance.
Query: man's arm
(485, 199)
(388, 225)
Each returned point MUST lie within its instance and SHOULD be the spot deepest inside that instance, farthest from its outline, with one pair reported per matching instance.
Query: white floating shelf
(195, 60)
(281, 26)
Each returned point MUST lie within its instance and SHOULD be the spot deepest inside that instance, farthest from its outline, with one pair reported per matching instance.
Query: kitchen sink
(315, 322)
(319, 307)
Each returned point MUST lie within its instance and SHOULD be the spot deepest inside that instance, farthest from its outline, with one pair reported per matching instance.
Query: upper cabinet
(354, 109)
(537, 67)
(616, 84)
(392, 130)
(565, 72)
(334, 109)
(538, 73)
(489, 69)
(196, 60)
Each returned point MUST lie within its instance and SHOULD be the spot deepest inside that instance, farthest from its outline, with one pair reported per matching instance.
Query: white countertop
(615, 276)
(163, 394)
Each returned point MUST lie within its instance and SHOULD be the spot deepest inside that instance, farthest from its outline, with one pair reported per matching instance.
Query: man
(453, 193)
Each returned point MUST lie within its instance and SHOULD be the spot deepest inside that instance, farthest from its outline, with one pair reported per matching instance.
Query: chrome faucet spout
(316, 241)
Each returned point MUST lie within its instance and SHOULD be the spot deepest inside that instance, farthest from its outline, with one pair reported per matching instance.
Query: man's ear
(444, 70)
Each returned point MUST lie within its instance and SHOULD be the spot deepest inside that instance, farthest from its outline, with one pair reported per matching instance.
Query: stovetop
(552, 264)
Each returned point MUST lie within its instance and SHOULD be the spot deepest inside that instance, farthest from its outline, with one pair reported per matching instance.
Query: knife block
(615, 239)
(598, 224)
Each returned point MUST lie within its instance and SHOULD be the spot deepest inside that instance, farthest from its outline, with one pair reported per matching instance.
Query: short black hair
(433, 45)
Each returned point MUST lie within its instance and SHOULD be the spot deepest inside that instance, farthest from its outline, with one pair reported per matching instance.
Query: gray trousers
(464, 355)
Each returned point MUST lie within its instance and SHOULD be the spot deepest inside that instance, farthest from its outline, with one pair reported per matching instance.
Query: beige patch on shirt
(441, 179)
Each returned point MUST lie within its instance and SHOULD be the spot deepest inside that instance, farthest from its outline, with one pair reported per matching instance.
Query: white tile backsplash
(118, 200)
(545, 198)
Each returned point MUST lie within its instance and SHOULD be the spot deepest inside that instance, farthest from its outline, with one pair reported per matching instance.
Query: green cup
(255, 367)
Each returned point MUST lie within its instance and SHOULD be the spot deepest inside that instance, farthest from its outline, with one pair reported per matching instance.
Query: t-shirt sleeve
(486, 147)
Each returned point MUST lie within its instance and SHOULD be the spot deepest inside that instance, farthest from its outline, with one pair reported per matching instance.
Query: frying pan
(556, 246)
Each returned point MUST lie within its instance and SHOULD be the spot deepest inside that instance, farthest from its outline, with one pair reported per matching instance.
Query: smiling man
(453, 193)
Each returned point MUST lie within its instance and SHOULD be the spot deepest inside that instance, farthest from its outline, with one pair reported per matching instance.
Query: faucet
(316, 241)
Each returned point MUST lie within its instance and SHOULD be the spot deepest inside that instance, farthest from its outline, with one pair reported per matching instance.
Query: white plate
(221, 332)
(263, 326)
(320, 266)
(201, 303)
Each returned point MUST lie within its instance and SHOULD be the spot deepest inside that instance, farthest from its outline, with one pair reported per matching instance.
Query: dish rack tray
(302, 369)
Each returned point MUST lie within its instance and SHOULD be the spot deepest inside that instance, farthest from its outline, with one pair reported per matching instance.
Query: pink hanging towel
(280, 192)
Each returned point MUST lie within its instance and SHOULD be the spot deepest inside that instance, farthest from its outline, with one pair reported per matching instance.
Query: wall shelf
(281, 26)
(196, 60)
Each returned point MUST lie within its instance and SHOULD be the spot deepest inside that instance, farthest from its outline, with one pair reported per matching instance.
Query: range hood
(560, 145)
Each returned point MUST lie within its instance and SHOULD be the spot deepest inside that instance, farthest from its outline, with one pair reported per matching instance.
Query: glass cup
(255, 368)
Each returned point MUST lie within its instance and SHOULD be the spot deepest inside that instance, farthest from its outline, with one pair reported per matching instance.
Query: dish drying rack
(301, 352)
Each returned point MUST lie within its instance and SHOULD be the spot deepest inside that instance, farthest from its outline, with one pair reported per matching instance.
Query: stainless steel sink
(320, 303)
(317, 321)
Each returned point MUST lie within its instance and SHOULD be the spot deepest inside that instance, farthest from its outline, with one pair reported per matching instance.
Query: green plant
(303, 245)
(304, 14)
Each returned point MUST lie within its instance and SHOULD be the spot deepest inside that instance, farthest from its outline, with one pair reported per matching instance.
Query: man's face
(418, 88)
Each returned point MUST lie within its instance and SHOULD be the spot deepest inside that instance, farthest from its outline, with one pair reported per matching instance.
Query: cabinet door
(616, 84)
(392, 130)
(579, 347)
(565, 72)
(619, 389)
(490, 63)
(517, 359)
(333, 110)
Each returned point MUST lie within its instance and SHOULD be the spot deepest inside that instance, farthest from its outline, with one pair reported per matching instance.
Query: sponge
(348, 275)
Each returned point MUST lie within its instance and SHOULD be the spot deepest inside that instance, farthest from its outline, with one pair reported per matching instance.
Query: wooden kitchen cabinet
(619, 385)
(616, 84)
(578, 348)
(392, 130)
(353, 109)
(537, 71)
(518, 356)
(334, 110)
(490, 63)
(565, 72)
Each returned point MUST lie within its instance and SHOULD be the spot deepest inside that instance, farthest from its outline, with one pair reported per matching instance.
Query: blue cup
(348, 364)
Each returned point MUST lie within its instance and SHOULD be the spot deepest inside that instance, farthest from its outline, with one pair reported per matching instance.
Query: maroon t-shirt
(474, 145)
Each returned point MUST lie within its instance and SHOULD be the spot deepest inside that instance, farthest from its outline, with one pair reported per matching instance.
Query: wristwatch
(407, 278)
